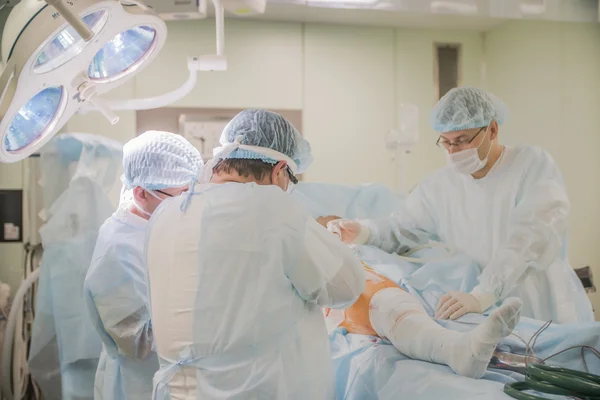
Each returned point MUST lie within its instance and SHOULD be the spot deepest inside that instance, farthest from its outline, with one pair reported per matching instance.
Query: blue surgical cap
(467, 108)
(264, 128)
(159, 160)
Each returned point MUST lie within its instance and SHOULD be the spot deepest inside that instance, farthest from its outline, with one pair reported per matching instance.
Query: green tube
(545, 387)
(556, 381)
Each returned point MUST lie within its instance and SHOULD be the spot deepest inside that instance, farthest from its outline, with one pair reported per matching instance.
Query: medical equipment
(56, 61)
(16, 379)
(11, 216)
(403, 139)
(178, 10)
(556, 381)
(69, 167)
(587, 279)
(210, 62)
(548, 379)
(15, 375)
(14, 320)
(197, 9)
(424, 260)
(4, 309)
(65, 349)
(511, 362)
(203, 133)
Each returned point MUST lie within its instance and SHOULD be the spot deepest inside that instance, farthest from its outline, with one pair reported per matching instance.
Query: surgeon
(506, 207)
(241, 317)
(157, 166)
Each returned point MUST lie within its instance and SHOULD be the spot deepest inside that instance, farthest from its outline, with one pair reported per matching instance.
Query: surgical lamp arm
(220, 26)
(157, 101)
(72, 18)
(8, 3)
(202, 7)
(195, 64)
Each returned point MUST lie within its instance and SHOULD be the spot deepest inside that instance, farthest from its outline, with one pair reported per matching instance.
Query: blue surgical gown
(117, 301)
(513, 223)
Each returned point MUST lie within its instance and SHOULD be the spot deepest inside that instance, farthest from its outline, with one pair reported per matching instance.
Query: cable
(9, 337)
(557, 381)
(554, 380)
(16, 339)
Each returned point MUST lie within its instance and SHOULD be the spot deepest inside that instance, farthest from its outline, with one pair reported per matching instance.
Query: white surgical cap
(467, 108)
(159, 160)
(269, 130)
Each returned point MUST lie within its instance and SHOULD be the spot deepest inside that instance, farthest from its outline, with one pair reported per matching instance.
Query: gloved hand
(454, 305)
(351, 232)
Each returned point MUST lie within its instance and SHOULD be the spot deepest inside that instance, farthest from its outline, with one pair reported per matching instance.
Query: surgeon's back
(228, 321)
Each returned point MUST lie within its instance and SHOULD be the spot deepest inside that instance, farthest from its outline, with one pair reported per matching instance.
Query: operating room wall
(548, 73)
(346, 81)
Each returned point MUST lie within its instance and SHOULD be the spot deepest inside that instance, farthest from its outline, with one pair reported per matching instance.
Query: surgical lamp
(59, 55)
(209, 62)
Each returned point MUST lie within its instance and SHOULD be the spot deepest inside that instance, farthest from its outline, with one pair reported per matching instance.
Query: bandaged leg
(399, 317)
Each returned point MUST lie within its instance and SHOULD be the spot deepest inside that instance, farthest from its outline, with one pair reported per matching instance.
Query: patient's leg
(399, 317)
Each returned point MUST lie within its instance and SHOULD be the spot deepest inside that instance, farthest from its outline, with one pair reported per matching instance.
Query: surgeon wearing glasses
(157, 166)
(506, 207)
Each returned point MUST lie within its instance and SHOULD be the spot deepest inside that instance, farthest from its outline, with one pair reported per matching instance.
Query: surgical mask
(467, 161)
(142, 209)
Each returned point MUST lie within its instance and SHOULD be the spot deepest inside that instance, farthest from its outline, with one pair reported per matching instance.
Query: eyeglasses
(459, 143)
(293, 180)
(292, 176)
(165, 193)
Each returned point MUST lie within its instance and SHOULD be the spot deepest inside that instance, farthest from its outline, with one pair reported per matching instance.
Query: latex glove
(454, 305)
(351, 232)
(325, 220)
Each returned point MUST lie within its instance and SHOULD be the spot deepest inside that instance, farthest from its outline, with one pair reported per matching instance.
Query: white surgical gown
(237, 282)
(513, 223)
(117, 299)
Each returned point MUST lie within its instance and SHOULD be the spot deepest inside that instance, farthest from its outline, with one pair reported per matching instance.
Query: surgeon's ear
(277, 170)
(139, 194)
(493, 130)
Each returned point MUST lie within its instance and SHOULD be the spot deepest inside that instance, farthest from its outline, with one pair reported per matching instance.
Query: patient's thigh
(357, 316)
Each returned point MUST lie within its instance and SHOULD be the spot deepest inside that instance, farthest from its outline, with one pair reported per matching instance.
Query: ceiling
(303, 13)
(408, 13)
